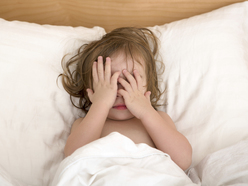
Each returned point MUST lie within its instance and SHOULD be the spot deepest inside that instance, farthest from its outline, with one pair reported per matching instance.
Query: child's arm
(90, 127)
(87, 129)
(159, 125)
(166, 137)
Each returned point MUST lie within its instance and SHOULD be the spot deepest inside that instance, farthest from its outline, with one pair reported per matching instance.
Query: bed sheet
(228, 166)
(206, 82)
(117, 160)
(7, 180)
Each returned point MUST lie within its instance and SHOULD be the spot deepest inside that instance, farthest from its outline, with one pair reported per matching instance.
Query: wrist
(147, 113)
(99, 108)
(102, 104)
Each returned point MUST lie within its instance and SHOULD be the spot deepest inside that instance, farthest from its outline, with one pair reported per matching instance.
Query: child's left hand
(136, 98)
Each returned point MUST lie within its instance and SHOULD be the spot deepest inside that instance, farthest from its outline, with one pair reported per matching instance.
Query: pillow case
(206, 77)
(206, 81)
(35, 113)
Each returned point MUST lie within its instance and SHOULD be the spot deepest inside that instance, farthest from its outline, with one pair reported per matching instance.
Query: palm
(105, 85)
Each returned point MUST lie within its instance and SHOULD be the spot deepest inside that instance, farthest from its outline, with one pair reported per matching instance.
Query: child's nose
(120, 86)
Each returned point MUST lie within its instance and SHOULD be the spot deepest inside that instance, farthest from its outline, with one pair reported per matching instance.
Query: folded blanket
(115, 160)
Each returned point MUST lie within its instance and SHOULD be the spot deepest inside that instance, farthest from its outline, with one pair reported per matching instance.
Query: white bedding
(7, 180)
(206, 81)
(117, 160)
(227, 166)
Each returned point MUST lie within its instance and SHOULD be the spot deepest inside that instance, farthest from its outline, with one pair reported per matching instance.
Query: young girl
(116, 81)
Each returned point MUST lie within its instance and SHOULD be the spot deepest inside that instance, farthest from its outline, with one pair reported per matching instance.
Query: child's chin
(120, 116)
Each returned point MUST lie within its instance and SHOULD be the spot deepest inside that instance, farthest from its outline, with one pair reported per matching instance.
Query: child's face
(119, 62)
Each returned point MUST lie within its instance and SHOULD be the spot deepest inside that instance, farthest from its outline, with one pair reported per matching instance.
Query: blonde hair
(134, 42)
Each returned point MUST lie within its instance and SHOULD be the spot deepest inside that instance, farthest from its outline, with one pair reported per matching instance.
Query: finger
(148, 95)
(125, 84)
(123, 93)
(130, 79)
(94, 72)
(90, 93)
(138, 79)
(100, 68)
(108, 69)
(114, 78)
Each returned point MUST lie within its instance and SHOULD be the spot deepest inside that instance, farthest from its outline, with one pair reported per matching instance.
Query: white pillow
(206, 77)
(35, 114)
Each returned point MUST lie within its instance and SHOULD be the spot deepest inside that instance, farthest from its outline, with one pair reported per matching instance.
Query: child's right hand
(104, 85)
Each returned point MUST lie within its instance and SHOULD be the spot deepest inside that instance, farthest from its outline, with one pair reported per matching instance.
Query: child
(116, 81)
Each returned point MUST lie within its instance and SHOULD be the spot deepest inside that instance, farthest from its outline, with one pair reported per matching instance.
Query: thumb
(147, 95)
(90, 93)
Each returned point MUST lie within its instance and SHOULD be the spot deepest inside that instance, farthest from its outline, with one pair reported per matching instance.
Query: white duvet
(226, 167)
(117, 160)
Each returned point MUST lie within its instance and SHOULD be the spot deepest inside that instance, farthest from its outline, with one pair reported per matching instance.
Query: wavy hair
(138, 43)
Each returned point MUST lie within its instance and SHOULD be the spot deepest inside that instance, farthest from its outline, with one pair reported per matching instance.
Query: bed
(203, 44)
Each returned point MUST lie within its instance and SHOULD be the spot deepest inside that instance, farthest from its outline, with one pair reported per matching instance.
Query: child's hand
(105, 86)
(137, 100)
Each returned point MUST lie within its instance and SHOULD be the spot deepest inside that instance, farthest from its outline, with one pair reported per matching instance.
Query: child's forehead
(122, 61)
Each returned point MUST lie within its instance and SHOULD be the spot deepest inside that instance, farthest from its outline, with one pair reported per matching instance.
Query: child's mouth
(120, 107)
